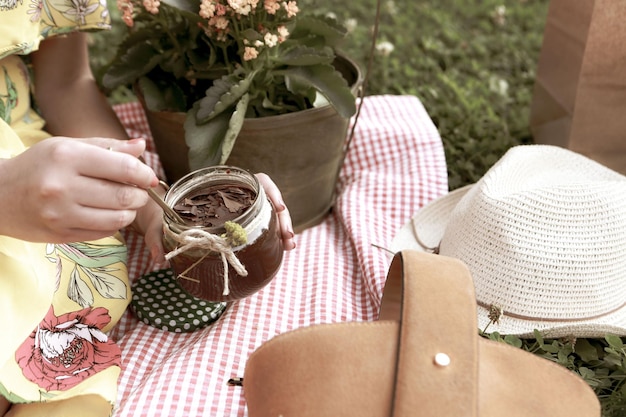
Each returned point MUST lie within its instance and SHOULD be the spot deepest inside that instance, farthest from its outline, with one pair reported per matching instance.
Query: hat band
(555, 320)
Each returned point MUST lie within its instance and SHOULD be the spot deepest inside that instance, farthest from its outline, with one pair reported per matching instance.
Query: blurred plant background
(472, 64)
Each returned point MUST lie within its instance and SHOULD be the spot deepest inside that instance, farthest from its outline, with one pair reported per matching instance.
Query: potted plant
(221, 64)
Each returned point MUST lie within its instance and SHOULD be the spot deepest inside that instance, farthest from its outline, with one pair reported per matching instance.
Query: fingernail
(136, 140)
(280, 206)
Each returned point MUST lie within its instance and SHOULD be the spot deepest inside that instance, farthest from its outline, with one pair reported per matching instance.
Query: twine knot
(201, 239)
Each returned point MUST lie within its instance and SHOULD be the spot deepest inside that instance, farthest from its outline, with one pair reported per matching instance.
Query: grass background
(472, 63)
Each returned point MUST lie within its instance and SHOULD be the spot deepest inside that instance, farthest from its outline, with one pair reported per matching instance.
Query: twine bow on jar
(201, 239)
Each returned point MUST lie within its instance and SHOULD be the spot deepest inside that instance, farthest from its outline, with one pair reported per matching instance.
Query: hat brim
(424, 232)
(426, 228)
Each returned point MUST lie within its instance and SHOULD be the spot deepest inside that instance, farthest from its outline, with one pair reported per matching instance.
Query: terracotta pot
(302, 151)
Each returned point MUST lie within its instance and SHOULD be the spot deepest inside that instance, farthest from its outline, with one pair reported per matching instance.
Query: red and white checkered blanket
(395, 165)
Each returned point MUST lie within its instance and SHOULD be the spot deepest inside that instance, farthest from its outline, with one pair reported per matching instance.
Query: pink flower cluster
(228, 20)
(126, 9)
(152, 6)
(228, 16)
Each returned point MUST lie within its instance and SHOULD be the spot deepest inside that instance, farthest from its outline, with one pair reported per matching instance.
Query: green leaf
(585, 350)
(162, 98)
(304, 55)
(563, 358)
(330, 29)
(328, 82)
(107, 285)
(614, 341)
(222, 95)
(551, 348)
(234, 127)
(586, 373)
(4, 113)
(513, 341)
(13, 398)
(126, 70)
(205, 140)
(251, 35)
(495, 336)
(152, 95)
(11, 89)
(92, 255)
(613, 360)
(78, 290)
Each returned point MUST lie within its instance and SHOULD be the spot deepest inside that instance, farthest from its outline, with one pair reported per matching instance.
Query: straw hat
(544, 235)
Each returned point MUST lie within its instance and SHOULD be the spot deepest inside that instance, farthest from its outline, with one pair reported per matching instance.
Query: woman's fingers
(66, 190)
(102, 194)
(284, 218)
(87, 224)
(117, 162)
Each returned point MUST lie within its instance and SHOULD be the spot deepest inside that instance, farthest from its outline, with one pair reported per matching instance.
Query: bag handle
(437, 362)
(394, 367)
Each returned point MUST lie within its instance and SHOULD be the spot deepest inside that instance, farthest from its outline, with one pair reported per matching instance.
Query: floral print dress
(58, 301)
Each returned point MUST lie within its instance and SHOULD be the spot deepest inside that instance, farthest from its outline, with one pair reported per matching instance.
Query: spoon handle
(170, 212)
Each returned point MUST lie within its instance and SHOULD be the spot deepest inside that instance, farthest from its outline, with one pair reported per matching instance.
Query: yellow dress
(58, 301)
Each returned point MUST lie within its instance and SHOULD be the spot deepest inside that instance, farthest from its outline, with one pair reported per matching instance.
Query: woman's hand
(66, 190)
(284, 218)
(150, 221)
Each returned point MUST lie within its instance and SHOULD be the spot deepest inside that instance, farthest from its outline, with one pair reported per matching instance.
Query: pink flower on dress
(63, 351)
(34, 9)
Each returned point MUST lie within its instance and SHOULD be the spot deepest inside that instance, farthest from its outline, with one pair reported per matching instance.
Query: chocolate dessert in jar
(229, 246)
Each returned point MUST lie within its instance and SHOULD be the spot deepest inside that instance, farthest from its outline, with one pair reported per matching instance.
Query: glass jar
(207, 260)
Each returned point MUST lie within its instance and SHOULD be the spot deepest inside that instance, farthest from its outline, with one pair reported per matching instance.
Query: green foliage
(239, 63)
(470, 63)
(600, 362)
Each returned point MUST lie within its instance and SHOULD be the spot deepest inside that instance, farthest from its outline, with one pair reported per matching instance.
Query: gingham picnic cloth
(395, 165)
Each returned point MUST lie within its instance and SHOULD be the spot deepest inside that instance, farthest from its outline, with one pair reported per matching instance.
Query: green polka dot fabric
(160, 302)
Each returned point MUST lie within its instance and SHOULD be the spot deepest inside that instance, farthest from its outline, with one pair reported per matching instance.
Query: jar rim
(198, 178)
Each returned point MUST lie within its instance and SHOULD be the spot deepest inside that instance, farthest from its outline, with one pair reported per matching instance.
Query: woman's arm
(4, 405)
(67, 94)
(70, 101)
(72, 105)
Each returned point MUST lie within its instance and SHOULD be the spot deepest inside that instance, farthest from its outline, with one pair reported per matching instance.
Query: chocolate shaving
(234, 205)
(214, 206)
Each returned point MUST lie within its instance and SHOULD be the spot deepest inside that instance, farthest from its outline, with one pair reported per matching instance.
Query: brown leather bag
(424, 357)
(580, 89)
